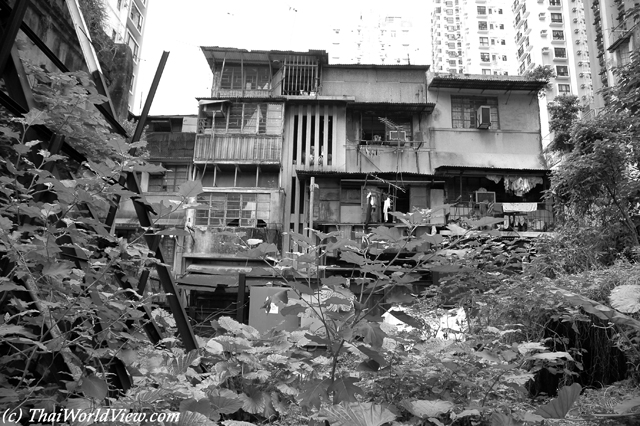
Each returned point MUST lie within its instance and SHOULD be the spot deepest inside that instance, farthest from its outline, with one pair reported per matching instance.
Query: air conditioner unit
(545, 50)
(575, 20)
(581, 74)
(543, 33)
(541, 15)
(579, 52)
(397, 135)
(577, 41)
(574, 10)
(483, 117)
(576, 31)
(582, 86)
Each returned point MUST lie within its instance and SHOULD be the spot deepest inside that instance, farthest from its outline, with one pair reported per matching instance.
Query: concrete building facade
(126, 24)
(473, 37)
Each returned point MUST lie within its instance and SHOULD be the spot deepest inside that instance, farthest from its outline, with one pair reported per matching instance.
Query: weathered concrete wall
(517, 144)
(376, 84)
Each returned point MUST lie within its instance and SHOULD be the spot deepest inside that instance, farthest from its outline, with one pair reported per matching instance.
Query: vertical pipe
(312, 185)
(242, 284)
(325, 134)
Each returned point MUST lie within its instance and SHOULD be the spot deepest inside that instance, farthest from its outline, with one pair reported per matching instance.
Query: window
(493, 41)
(503, 42)
(482, 25)
(564, 89)
(486, 71)
(504, 58)
(465, 108)
(449, 12)
(522, 68)
(560, 52)
(502, 26)
(136, 17)
(250, 118)
(233, 209)
(521, 51)
(452, 63)
(554, 2)
(484, 57)
(499, 11)
(132, 85)
(484, 41)
(451, 45)
(623, 54)
(558, 34)
(556, 17)
(517, 19)
(170, 180)
(449, 20)
(562, 71)
(482, 10)
(135, 48)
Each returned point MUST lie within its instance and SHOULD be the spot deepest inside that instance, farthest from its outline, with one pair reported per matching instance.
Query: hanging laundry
(494, 178)
(386, 207)
(519, 207)
(521, 185)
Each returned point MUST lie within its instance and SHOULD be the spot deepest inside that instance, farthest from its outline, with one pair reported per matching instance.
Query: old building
(281, 129)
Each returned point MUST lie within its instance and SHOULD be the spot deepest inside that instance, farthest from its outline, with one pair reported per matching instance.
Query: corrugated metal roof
(395, 106)
(443, 169)
(391, 176)
(487, 161)
(215, 54)
(482, 81)
(380, 66)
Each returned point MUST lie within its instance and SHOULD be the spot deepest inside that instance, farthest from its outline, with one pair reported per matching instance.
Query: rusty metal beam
(152, 93)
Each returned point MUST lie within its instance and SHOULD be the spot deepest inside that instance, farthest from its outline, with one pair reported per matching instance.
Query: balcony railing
(239, 148)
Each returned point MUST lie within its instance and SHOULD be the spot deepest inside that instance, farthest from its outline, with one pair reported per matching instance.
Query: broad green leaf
(406, 318)
(373, 354)
(551, 356)
(382, 233)
(526, 347)
(302, 288)
(189, 418)
(253, 401)
(425, 409)
(345, 390)
(597, 309)
(520, 379)
(94, 387)
(499, 419)
(5, 223)
(190, 188)
(10, 329)
(485, 221)
(626, 298)
(371, 332)
(261, 251)
(202, 406)
(181, 363)
(351, 257)
(57, 269)
(370, 365)
(293, 309)
(358, 414)
(626, 405)
(558, 407)
(35, 117)
(313, 393)
(224, 404)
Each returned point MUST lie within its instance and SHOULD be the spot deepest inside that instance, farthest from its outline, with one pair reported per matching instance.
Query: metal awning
(417, 107)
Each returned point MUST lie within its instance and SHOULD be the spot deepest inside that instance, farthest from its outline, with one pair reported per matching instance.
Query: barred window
(233, 209)
(170, 180)
(465, 108)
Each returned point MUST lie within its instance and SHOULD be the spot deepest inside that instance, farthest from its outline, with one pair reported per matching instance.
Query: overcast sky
(182, 27)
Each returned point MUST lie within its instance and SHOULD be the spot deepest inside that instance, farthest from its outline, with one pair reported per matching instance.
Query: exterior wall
(375, 84)
(517, 144)
(122, 29)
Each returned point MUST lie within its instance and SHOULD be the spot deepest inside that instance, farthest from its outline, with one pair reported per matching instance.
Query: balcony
(237, 148)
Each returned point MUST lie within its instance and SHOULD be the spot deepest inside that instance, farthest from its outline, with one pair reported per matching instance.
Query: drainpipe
(312, 186)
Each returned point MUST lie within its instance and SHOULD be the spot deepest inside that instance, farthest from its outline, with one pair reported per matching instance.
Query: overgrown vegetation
(524, 321)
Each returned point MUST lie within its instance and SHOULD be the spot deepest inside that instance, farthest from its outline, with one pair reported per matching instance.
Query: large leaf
(189, 418)
(253, 401)
(182, 362)
(425, 409)
(94, 387)
(627, 405)
(406, 318)
(626, 298)
(551, 356)
(373, 354)
(314, 392)
(597, 309)
(345, 390)
(499, 419)
(225, 402)
(358, 414)
(371, 332)
(190, 188)
(558, 407)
